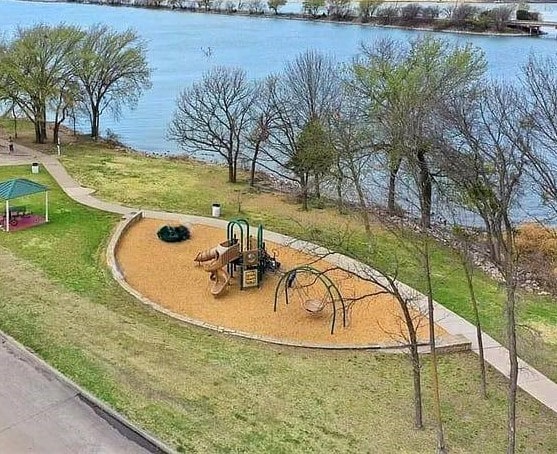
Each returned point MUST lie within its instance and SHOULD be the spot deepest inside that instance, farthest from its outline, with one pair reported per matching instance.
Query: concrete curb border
(444, 345)
(115, 419)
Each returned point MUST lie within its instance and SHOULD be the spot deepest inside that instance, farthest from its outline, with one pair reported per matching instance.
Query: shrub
(431, 12)
(388, 14)
(523, 14)
(411, 12)
(533, 238)
(463, 13)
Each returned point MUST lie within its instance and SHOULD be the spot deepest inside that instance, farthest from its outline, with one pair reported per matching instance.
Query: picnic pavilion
(19, 217)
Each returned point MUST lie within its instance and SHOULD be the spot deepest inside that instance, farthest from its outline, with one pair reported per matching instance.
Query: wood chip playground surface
(166, 274)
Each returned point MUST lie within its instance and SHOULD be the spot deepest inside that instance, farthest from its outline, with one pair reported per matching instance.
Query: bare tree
(214, 116)
(540, 81)
(339, 9)
(386, 283)
(487, 164)
(112, 71)
(304, 96)
(467, 260)
(263, 116)
(354, 154)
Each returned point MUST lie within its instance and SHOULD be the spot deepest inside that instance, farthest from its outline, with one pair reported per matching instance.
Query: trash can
(35, 167)
(216, 210)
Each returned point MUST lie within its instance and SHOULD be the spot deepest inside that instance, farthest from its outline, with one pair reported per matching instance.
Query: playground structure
(243, 255)
(315, 292)
(166, 274)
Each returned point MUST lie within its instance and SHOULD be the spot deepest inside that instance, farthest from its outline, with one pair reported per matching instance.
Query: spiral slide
(221, 278)
(219, 257)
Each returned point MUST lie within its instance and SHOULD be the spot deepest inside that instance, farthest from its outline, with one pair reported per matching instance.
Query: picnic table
(16, 212)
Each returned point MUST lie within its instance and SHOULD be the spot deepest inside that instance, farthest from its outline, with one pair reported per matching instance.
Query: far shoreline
(321, 19)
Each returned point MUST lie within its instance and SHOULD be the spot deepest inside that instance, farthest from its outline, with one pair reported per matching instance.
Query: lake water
(177, 42)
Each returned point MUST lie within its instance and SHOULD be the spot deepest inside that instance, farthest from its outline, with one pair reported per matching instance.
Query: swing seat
(314, 306)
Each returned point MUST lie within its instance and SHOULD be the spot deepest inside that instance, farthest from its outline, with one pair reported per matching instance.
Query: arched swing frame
(332, 290)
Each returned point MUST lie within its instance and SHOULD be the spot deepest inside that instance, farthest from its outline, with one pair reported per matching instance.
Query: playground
(209, 289)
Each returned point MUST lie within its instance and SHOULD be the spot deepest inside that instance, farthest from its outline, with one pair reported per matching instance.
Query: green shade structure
(19, 187)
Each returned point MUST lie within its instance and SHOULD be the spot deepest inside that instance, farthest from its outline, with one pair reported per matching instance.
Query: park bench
(16, 212)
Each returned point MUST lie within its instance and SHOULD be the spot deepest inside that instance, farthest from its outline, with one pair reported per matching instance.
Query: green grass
(67, 247)
(191, 187)
(205, 392)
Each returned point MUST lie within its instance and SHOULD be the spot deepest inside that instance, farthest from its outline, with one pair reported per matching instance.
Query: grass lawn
(190, 187)
(205, 392)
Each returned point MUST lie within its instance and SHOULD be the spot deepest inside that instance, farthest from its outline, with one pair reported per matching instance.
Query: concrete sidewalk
(530, 380)
(40, 414)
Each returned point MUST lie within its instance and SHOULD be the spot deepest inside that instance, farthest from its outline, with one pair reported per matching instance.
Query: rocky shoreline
(440, 231)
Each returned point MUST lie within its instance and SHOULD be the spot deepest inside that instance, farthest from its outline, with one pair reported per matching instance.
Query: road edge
(111, 416)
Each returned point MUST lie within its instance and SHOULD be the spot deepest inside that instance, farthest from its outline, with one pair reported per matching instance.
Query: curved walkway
(530, 380)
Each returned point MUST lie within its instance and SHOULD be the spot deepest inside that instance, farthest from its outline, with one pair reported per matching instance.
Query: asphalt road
(40, 414)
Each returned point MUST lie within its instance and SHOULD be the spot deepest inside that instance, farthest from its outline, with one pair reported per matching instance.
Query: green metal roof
(19, 187)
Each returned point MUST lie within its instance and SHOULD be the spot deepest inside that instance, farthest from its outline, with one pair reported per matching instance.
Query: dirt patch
(167, 275)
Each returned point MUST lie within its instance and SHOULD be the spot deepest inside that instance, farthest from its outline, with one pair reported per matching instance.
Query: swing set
(314, 290)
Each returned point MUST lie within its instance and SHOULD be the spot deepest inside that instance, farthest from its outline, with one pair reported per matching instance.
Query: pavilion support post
(7, 217)
(46, 205)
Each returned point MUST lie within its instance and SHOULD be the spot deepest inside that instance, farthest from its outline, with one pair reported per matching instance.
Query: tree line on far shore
(460, 16)
(69, 71)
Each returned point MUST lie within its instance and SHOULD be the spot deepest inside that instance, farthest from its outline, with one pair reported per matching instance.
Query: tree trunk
(37, 127)
(15, 121)
(254, 164)
(513, 377)
(338, 187)
(468, 271)
(417, 382)
(441, 447)
(44, 134)
(58, 120)
(231, 172)
(414, 358)
(361, 198)
(510, 283)
(55, 132)
(304, 187)
(424, 180)
(40, 125)
(95, 122)
(317, 186)
(394, 167)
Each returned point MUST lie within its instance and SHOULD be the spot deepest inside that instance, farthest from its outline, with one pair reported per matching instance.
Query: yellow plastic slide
(219, 257)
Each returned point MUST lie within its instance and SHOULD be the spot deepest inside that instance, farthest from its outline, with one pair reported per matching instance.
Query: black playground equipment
(304, 281)
(173, 234)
